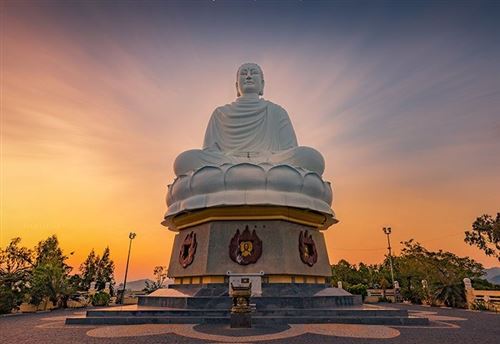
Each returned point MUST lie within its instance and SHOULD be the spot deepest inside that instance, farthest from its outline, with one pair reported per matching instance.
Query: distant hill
(137, 285)
(493, 275)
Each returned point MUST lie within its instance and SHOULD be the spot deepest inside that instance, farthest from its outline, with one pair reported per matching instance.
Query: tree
(88, 270)
(485, 234)
(160, 273)
(15, 270)
(51, 280)
(372, 276)
(15, 260)
(344, 272)
(43, 275)
(105, 271)
(49, 250)
(50, 276)
(99, 270)
(444, 272)
(483, 284)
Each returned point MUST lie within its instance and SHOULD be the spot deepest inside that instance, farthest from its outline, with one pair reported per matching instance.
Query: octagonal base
(280, 259)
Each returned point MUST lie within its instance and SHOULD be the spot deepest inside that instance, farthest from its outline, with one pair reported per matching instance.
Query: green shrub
(479, 305)
(358, 289)
(101, 299)
(384, 299)
(7, 300)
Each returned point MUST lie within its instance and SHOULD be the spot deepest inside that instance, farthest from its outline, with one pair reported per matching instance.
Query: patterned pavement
(447, 326)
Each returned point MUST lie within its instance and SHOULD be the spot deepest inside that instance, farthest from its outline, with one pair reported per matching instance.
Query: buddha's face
(250, 79)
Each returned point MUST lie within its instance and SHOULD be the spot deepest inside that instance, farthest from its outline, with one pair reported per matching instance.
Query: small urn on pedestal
(241, 310)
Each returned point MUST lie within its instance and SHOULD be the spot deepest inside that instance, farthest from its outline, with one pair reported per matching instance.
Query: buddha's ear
(237, 90)
(261, 93)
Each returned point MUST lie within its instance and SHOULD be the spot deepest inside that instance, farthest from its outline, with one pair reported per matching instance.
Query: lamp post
(387, 231)
(131, 236)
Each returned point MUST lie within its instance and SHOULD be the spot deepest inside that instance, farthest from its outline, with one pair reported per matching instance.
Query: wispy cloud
(99, 99)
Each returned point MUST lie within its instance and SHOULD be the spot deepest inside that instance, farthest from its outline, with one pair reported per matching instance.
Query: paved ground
(447, 326)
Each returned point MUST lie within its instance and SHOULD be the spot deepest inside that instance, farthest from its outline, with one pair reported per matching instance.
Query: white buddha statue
(250, 129)
(250, 157)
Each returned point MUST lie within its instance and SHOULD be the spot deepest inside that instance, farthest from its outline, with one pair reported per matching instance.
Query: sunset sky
(98, 98)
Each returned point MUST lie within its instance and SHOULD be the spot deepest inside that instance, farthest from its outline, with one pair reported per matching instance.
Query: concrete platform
(274, 296)
(366, 314)
(279, 304)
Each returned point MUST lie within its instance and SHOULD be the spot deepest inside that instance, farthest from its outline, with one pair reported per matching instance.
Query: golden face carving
(246, 248)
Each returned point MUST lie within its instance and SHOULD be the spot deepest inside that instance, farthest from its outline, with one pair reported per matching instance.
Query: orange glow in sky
(95, 110)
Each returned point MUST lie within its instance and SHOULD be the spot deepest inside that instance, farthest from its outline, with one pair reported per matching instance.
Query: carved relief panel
(188, 250)
(307, 248)
(245, 248)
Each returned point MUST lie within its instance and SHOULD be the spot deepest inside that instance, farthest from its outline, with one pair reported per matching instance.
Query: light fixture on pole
(131, 236)
(387, 231)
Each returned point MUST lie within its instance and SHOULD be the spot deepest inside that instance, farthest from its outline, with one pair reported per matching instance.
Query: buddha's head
(250, 79)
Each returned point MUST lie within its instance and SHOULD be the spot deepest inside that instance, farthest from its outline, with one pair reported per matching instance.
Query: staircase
(286, 304)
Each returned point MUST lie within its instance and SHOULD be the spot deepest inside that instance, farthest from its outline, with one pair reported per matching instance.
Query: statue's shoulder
(278, 109)
(221, 109)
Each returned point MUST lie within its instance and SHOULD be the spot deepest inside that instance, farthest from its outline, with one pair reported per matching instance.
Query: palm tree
(450, 294)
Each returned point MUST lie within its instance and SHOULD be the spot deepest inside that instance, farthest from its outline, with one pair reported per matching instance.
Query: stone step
(158, 313)
(299, 302)
(195, 302)
(266, 312)
(256, 320)
(366, 320)
(133, 320)
(224, 302)
(315, 312)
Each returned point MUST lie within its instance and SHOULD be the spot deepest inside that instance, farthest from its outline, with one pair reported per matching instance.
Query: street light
(131, 236)
(387, 231)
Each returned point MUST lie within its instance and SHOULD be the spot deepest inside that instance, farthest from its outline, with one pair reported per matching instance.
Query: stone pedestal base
(241, 320)
(286, 252)
(279, 304)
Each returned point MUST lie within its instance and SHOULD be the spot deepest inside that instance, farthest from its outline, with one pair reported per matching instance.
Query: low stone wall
(489, 299)
(45, 305)
(375, 294)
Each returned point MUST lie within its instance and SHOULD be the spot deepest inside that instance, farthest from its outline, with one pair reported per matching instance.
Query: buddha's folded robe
(250, 130)
(249, 125)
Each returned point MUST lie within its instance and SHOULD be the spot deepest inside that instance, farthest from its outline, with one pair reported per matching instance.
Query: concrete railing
(489, 299)
(375, 294)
